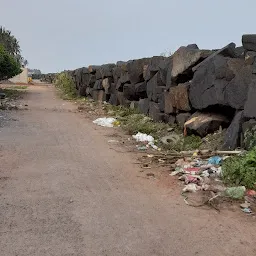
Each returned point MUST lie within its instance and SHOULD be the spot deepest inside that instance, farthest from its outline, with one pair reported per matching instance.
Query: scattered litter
(141, 148)
(174, 173)
(216, 160)
(247, 210)
(193, 179)
(105, 121)
(142, 137)
(251, 193)
(191, 188)
(235, 192)
(172, 138)
(150, 156)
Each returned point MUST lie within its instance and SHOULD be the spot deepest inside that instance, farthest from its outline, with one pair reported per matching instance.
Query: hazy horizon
(58, 35)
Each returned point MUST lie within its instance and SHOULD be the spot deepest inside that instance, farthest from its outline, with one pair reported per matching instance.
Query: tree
(9, 66)
(11, 45)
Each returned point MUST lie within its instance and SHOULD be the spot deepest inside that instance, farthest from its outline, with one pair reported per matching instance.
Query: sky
(58, 35)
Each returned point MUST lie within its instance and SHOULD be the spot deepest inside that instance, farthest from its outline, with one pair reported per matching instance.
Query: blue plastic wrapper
(216, 160)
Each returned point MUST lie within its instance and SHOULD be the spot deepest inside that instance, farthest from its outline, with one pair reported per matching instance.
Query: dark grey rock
(249, 42)
(155, 113)
(193, 46)
(171, 119)
(165, 67)
(143, 106)
(221, 81)
(185, 58)
(180, 98)
(232, 136)
(250, 104)
(239, 52)
(227, 51)
(154, 87)
(93, 68)
(113, 99)
(182, 119)
(153, 67)
(168, 108)
(124, 79)
(135, 70)
(134, 105)
(98, 85)
(141, 90)
(129, 91)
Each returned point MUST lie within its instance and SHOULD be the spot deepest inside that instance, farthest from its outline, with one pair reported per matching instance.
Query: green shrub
(241, 170)
(66, 86)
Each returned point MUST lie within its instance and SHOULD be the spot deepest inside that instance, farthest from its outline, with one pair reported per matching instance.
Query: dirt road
(63, 192)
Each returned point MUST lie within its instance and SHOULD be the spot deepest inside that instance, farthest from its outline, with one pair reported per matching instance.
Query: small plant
(66, 86)
(241, 170)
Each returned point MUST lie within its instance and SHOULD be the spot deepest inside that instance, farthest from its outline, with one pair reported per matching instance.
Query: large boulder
(155, 113)
(143, 106)
(227, 51)
(204, 123)
(98, 85)
(249, 42)
(182, 118)
(122, 100)
(113, 99)
(165, 70)
(141, 90)
(180, 98)
(155, 87)
(106, 70)
(232, 136)
(168, 107)
(221, 81)
(135, 69)
(184, 59)
(129, 91)
(153, 67)
(250, 104)
(91, 80)
(124, 79)
(118, 70)
(92, 69)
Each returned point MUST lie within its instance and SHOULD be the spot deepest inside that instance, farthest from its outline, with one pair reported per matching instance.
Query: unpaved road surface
(63, 191)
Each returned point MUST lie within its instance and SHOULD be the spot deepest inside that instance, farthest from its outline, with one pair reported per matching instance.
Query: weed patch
(241, 170)
(66, 86)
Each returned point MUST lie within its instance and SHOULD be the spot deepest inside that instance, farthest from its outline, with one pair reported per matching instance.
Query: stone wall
(204, 88)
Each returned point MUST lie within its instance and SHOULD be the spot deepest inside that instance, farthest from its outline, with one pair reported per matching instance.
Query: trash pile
(148, 141)
(204, 175)
(106, 122)
(199, 174)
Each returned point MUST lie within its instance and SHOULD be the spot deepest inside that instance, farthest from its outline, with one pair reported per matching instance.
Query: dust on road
(63, 192)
